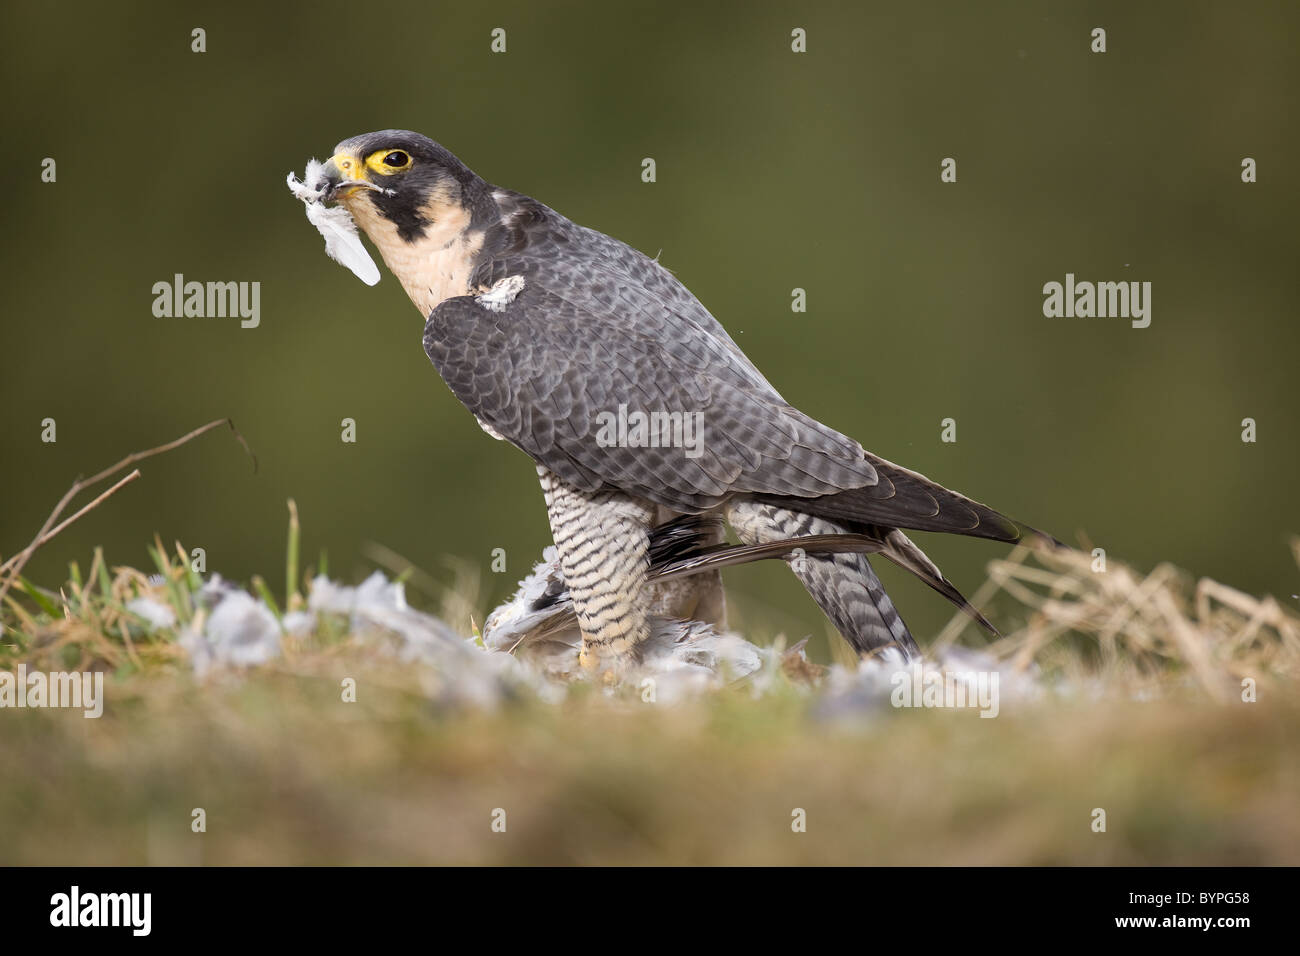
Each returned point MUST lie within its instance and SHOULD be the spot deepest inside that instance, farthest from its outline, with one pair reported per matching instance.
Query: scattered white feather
(157, 614)
(852, 694)
(342, 243)
(531, 644)
(454, 673)
(240, 631)
(299, 623)
(380, 604)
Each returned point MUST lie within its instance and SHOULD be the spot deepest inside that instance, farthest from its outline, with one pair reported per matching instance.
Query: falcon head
(424, 210)
(398, 182)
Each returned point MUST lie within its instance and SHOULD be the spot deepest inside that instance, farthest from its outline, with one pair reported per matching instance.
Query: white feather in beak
(342, 242)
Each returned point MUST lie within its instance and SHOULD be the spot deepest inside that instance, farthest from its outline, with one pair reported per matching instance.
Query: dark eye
(397, 159)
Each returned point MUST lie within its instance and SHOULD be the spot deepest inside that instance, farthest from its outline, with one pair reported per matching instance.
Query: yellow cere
(349, 166)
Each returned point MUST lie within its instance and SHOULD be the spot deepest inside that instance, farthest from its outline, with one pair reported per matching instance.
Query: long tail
(903, 552)
(905, 499)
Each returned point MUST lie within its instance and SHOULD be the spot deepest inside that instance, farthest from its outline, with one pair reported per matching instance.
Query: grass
(1147, 722)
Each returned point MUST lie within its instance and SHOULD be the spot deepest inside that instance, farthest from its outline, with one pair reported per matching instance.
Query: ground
(1140, 706)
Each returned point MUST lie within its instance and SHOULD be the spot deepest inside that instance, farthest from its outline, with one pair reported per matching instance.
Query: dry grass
(1137, 631)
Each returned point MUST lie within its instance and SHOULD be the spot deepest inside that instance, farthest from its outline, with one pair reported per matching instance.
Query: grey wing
(533, 238)
(551, 369)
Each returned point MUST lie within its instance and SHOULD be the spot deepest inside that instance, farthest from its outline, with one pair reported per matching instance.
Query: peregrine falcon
(551, 333)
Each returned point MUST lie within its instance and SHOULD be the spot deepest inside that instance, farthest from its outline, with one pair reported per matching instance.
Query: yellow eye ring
(388, 161)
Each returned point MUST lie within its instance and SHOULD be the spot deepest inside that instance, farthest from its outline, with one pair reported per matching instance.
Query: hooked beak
(344, 175)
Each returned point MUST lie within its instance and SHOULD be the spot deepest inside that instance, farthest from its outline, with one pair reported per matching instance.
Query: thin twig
(94, 504)
(15, 564)
(151, 452)
(20, 559)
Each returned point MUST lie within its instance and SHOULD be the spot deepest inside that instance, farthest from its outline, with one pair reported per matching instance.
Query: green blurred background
(775, 171)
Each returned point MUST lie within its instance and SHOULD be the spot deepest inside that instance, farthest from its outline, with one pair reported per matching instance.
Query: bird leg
(603, 540)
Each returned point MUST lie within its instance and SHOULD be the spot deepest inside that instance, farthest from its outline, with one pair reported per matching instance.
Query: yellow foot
(608, 667)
